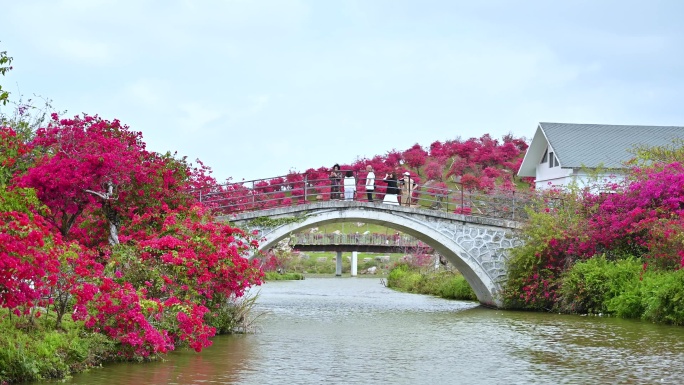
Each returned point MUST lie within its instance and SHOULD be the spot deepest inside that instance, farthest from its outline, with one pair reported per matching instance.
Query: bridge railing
(301, 189)
(373, 239)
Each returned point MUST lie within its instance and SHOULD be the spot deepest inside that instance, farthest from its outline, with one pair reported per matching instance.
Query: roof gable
(533, 155)
(591, 145)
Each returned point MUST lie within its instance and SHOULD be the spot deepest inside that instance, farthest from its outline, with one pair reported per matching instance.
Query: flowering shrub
(12, 149)
(28, 260)
(642, 220)
(175, 268)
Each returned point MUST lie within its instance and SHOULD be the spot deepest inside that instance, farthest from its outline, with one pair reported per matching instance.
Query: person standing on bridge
(407, 187)
(392, 196)
(349, 186)
(370, 183)
(335, 182)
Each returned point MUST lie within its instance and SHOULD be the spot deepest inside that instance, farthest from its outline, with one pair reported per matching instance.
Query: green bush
(457, 288)
(444, 284)
(663, 297)
(275, 276)
(401, 277)
(589, 286)
(234, 316)
(37, 352)
(627, 304)
(622, 288)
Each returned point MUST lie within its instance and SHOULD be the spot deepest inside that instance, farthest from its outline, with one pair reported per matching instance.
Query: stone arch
(485, 286)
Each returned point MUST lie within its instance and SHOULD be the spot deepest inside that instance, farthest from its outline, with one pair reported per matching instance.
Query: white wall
(565, 177)
(549, 177)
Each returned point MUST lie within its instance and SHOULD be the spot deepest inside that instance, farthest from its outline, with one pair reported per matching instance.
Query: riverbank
(446, 284)
(596, 287)
(39, 351)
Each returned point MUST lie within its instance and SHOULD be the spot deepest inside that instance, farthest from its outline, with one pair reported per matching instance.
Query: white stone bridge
(476, 246)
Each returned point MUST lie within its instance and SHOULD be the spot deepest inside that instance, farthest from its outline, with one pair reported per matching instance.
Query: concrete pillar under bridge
(338, 264)
(354, 264)
(354, 261)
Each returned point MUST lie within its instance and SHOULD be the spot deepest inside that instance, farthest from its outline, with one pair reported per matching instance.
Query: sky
(258, 88)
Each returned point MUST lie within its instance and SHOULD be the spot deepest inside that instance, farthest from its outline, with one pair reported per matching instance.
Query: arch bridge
(476, 245)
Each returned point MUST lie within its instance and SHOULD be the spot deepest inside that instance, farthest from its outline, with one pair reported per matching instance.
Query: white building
(561, 153)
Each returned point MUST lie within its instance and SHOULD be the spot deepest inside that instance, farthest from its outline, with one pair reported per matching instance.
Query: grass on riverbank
(441, 283)
(37, 351)
(622, 288)
(32, 349)
(275, 276)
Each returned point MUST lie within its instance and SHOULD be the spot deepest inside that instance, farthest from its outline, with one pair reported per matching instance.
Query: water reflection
(356, 331)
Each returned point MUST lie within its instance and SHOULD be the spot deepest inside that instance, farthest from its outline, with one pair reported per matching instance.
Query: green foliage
(26, 117)
(277, 222)
(628, 303)
(663, 297)
(42, 353)
(589, 286)
(403, 278)
(234, 316)
(444, 284)
(648, 156)
(534, 268)
(135, 271)
(624, 289)
(456, 287)
(312, 266)
(5, 62)
(275, 276)
(23, 200)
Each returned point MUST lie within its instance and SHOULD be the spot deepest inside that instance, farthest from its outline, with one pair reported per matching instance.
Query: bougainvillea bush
(168, 277)
(640, 220)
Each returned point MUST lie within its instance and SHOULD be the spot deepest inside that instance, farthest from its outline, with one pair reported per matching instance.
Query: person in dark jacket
(392, 196)
(335, 182)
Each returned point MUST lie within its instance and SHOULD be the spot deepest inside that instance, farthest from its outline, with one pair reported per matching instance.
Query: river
(356, 331)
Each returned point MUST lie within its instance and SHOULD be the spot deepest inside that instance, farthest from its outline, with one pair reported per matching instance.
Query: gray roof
(589, 145)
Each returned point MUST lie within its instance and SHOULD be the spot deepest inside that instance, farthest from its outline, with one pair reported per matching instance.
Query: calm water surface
(356, 331)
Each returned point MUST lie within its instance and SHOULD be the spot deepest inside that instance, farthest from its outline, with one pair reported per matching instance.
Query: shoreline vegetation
(37, 350)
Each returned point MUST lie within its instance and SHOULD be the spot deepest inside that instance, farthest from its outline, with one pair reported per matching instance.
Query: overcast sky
(255, 88)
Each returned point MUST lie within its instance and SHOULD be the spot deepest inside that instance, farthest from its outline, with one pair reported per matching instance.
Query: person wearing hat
(408, 185)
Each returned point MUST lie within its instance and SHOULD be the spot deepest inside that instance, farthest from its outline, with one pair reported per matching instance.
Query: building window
(553, 161)
(546, 154)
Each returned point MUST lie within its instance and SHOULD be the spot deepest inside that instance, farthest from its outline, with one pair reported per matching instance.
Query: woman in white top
(349, 186)
(370, 183)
